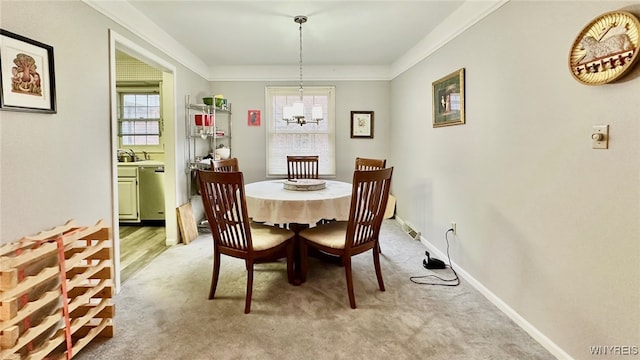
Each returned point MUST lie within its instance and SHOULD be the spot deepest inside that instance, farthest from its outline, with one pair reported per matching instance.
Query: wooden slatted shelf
(32, 321)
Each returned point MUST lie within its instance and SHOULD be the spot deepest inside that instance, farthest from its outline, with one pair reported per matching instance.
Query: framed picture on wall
(253, 117)
(27, 74)
(362, 124)
(448, 99)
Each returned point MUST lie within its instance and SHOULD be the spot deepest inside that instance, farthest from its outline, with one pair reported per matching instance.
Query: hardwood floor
(139, 245)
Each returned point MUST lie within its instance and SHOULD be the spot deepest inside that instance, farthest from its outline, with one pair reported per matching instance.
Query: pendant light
(295, 113)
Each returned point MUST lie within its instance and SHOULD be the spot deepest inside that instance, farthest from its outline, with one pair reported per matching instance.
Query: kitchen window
(140, 119)
(293, 139)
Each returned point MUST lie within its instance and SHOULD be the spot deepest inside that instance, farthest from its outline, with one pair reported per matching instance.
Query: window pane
(127, 140)
(140, 127)
(126, 127)
(153, 127)
(129, 112)
(154, 112)
(141, 113)
(141, 100)
(129, 100)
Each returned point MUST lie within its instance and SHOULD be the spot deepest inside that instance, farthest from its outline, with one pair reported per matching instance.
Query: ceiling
(233, 34)
(264, 32)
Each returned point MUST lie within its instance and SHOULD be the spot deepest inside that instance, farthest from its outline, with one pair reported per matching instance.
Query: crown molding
(130, 18)
(123, 13)
(292, 73)
(455, 24)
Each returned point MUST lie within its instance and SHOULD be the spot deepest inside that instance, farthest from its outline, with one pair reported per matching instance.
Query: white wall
(58, 166)
(249, 142)
(545, 223)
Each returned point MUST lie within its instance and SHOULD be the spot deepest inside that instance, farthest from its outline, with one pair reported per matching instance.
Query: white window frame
(127, 90)
(276, 158)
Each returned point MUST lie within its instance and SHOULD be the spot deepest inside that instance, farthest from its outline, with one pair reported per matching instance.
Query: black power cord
(445, 282)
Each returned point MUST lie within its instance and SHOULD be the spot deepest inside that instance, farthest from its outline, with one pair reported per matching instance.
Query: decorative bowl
(223, 153)
(304, 184)
(207, 100)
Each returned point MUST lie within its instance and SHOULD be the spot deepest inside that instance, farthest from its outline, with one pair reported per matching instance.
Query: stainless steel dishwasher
(151, 192)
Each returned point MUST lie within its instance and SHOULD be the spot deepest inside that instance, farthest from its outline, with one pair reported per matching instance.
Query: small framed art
(27, 75)
(448, 99)
(253, 117)
(362, 124)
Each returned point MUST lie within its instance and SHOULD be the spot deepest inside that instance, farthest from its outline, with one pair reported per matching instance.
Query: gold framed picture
(448, 99)
(362, 124)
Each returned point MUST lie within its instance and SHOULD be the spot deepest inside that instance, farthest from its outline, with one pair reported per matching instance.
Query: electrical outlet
(453, 227)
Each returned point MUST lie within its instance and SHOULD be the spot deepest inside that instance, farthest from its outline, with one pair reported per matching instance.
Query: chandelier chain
(295, 113)
(301, 89)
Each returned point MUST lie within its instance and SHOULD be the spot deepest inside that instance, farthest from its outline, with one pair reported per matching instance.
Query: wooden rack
(55, 292)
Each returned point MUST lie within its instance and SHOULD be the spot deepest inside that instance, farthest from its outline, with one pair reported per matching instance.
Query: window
(292, 139)
(139, 122)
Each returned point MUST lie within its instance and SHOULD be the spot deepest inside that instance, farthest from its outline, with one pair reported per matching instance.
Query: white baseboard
(495, 300)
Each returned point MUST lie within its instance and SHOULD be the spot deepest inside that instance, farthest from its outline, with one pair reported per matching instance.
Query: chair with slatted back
(225, 165)
(302, 167)
(234, 234)
(357, 235)
(370, 164)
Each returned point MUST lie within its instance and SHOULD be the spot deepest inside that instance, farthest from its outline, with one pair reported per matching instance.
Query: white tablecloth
(268, 201)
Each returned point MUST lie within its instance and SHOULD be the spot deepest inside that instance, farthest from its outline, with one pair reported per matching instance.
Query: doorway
(120, 46)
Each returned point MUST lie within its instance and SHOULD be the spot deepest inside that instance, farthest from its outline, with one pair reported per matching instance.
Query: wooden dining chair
(370, 164)
(234, 234)
(360, 233)
(225, 165)
(302, 167)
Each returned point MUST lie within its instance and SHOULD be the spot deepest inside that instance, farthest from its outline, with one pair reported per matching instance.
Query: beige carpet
(163, 312)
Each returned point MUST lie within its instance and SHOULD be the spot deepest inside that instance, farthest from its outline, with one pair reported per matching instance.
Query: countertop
(142, 163)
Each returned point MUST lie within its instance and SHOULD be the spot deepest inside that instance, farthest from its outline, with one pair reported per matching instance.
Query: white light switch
(600, 137)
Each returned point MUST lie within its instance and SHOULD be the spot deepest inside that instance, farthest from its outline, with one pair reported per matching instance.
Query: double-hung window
(293, 139)
(139, 119)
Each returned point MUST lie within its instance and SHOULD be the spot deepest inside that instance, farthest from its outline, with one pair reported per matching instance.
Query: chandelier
(294, 114)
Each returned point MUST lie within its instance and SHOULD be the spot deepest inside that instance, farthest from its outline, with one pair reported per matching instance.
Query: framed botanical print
(27, 74)
(362, 124)
(448, 99)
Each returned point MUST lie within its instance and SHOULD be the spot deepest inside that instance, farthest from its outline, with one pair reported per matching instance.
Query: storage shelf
(210, 136)
(201, 145)
(207, 109)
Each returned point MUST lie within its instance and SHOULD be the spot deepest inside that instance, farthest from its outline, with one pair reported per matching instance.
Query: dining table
(270, 201)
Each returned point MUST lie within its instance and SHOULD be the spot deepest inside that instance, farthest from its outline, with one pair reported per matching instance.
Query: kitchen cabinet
(207, 128)
(141, 191)
(128, 208)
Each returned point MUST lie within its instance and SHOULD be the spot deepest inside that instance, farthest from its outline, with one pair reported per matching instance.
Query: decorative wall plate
(606, 49)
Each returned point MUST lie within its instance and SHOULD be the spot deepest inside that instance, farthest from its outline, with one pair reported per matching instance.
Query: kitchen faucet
(134, 157)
